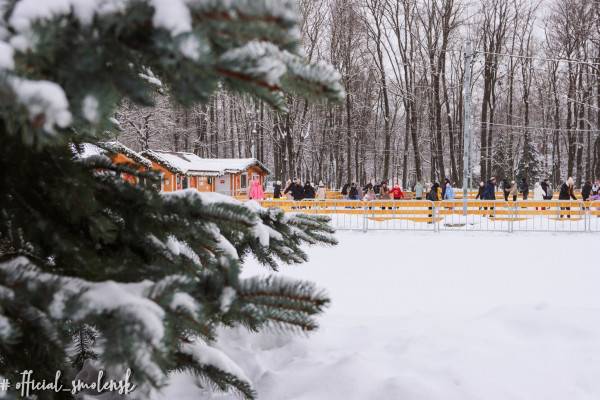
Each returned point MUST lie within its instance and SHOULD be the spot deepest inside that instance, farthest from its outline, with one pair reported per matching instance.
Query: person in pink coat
(256, 190)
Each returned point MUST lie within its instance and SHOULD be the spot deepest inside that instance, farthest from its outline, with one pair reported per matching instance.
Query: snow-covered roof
(191, 164)
(104, 148)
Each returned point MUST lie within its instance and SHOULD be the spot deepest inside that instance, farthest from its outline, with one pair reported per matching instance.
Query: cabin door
(223, 184)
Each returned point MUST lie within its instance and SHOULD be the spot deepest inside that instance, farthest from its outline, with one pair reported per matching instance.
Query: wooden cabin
(180, 170)
(118, 153)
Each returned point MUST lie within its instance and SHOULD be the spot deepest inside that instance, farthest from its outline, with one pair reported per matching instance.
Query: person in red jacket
(397, 193)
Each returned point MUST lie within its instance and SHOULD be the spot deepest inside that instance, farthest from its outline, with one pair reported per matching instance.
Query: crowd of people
(541, 190)
(511, 190)
(296, 190)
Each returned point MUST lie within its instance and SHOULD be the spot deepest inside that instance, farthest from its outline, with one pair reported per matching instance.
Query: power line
(538, 127)
(546, 59)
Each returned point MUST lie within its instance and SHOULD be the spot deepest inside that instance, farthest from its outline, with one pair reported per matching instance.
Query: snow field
(424, 316)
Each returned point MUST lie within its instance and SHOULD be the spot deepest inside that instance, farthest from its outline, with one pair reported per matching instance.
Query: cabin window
(184, 182)
(209, 180)
(244, 181)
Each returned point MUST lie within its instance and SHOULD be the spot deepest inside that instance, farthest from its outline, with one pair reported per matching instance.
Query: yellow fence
(549, 215)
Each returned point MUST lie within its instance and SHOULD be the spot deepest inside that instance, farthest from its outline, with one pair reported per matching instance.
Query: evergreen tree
(529, 166)
(502, 168)
(92, 267)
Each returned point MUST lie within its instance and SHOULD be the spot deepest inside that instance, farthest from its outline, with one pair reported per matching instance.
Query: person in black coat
(345, 189)
(586, 190)
(377, 188)
(353, 193)
(545, 187)
(524, 188)
(277, 190)
(433, 193)
(489, 191)
(506, 189)
(296, 190)
(566, 190)
(480, 191)
(309, 191)
(566, 193)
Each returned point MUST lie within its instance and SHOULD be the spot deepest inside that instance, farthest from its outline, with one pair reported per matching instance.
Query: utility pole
(252, 144)
(467, 124)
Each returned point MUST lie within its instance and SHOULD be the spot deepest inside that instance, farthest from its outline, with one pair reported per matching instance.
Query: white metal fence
(473, 215)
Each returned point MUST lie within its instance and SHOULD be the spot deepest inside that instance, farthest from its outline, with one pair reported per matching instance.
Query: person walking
(566, 190)
(296, 190)
(596, 188)
(419, 191)
(514, 191)
(433, 195)
(566, 193)
(397, 193)
(489, 190)
(384, 192)
(277, 190)
(309, 191)
(256, 190)
(546, 187)
(434, 192)
(287, 190)
(449, 193)
(321, 193)
(444, 186)
(370, 195)
(353, 192)
(345, 190)
(480, 191)
(538, 193)
(377, 188)
(506, 189)
(524, 189)
(586, 191)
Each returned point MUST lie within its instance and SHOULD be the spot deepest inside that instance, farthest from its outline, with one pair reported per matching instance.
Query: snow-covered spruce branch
(260, 56)
(281, 302)
(212, 368)
(145, 324)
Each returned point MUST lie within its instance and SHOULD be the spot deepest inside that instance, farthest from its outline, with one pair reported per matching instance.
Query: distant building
(180, 170)
(118, 153)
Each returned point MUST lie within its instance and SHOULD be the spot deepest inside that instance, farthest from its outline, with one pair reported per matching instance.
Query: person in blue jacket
(449, 193)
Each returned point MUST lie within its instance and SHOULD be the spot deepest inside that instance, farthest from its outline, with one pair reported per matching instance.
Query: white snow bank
(424, 316)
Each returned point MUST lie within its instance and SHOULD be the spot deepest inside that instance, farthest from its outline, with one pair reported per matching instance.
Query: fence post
(434, 220)
(365, 218)
(511, 222)
(587, 218)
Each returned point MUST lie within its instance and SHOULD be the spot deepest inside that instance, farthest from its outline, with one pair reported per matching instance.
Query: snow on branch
(209, 363)
(45, 101)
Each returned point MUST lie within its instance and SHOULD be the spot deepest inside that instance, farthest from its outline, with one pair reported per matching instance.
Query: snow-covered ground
(423, 316)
